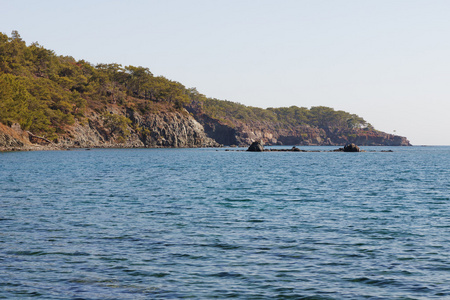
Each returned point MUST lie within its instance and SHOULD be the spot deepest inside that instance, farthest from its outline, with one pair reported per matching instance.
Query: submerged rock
(256, 147)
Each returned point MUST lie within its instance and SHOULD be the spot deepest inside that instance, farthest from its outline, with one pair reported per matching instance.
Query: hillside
(56, 101)
(232, 123)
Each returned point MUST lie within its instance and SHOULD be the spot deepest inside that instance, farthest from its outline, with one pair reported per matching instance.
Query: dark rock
(256, 147)
(351, 148)
(272, 133)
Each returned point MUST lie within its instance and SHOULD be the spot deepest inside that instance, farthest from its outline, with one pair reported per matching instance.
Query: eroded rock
(351, 148)
(256, 147)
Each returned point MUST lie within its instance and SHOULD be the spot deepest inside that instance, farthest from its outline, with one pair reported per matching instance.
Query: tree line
(332, 121)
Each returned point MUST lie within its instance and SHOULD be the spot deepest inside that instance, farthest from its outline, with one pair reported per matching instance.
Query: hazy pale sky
(385, 60)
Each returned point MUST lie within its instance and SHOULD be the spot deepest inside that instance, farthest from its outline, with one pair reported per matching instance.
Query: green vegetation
(288, 117)
(231, 111)
(45, 93)
(117, 124)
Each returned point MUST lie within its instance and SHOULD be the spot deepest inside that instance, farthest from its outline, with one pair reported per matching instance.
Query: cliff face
(272, 133)
(170, 129)
(76, 104)
(13, 138)
(121, 127)
(162, 129)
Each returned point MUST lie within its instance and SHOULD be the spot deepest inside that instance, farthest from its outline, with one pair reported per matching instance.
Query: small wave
(137, 273)
(255, 221)
(40, 253)
(227, 275)
(27, 253)
(376, 282)
(225, 246)
(237, 199)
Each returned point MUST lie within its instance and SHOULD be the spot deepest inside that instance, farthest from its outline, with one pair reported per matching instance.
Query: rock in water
(351, 148)
(256, 147)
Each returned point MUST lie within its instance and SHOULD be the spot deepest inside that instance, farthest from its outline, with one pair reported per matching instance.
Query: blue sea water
(214, 224)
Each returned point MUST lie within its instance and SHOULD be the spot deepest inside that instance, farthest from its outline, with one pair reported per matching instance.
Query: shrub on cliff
(117, 124)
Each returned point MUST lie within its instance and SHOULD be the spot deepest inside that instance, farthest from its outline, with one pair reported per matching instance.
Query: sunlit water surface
(210, 223)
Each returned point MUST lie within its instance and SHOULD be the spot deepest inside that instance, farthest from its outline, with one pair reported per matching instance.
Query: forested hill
(233, 123)
(74, 103)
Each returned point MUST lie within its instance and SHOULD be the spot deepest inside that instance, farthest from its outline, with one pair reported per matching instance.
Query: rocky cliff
(161, 129)
(275, 133)
(14, 138)
(131, 129)
(62, 102)
(11, 139)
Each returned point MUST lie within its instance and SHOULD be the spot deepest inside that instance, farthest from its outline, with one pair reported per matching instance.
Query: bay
(210, 223)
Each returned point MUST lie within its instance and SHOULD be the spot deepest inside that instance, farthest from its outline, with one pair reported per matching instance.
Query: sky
(387, 61)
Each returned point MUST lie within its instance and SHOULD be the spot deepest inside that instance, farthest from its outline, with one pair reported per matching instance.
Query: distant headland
(49, 101)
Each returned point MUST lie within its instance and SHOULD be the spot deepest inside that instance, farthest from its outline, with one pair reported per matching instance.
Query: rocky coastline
(62, 103)
(177, 129)
(158, 130)
(271, 133)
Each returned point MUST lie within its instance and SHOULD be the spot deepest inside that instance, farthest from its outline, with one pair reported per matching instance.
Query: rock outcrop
(11, 139)
(14, 138)
(152, 130)
(175, 128)
(256, 147)
(351, 148)
(271, 133)
(171, 130)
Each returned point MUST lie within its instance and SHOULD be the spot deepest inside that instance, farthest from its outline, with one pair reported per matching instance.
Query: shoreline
(223, 148)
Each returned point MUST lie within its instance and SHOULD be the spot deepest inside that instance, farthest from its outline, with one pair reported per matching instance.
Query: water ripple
(205, 224)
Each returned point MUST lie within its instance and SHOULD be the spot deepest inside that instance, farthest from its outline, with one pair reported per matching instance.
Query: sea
(225, 223)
